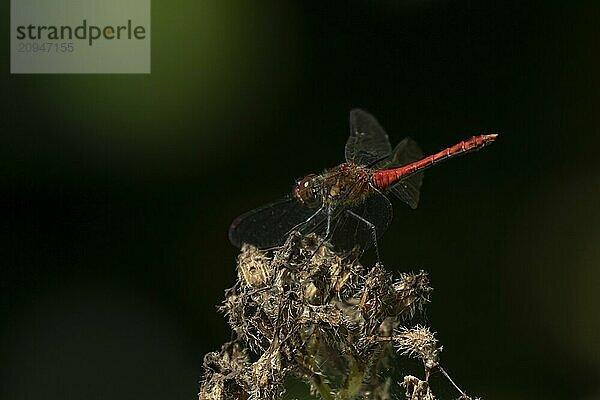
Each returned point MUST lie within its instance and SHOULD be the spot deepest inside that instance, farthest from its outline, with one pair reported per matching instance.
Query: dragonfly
(348, 204)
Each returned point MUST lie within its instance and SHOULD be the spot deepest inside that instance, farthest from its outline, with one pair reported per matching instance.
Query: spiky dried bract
(307, 311)
(418, 342)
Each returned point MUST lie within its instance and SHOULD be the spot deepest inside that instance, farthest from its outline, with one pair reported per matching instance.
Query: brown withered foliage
(306, 311)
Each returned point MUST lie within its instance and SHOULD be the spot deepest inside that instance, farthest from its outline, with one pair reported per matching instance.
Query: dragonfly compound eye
(306, 191)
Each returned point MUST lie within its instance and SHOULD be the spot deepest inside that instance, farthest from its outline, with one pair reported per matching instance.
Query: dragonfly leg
(371, 228)
(327, 230)
(329, 211)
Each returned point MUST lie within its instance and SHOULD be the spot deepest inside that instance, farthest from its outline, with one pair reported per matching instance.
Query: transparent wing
(349, 231)
(404, 153)
(408, 190)
(267, 226)
(368, 142)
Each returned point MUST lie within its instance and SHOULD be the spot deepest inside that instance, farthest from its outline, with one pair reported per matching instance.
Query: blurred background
(117, 190)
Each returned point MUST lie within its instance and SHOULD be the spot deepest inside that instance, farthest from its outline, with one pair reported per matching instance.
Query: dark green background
(117, 191)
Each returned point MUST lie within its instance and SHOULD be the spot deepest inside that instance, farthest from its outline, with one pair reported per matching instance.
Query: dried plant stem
(443, 371)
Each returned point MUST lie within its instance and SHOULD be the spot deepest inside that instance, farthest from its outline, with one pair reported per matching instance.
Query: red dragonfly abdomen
(388, 177)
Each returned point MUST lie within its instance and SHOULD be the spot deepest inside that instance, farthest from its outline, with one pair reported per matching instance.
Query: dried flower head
(417, 389)
(253, 267)
(412, 293)
(308, 311)
(418, 342)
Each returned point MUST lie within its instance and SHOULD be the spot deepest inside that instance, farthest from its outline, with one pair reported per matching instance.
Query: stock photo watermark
(80, 36)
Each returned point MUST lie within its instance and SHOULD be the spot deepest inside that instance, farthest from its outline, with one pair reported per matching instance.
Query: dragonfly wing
(408, 189)
(405, 152)
(349, 231)
(368, 141)
(267, 226)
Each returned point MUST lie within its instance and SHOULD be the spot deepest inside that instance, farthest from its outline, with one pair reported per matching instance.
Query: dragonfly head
(307, 192)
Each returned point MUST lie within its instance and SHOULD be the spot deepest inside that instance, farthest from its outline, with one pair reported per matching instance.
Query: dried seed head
(317, 314)
(412, 291)
(417, 389)
(254, 267)
(377, 298)
(345, 274)
(224, 376)
(418, 342)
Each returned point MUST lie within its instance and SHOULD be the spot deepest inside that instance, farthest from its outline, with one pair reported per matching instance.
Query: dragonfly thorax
(347, 184)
